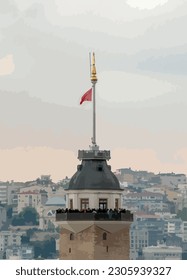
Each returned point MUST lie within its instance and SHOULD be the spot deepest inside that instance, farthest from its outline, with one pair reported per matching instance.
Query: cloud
(27, 121)
(146, 159)
(23, 164)
(141, 90)
(172, 64)
(122, 84)
(146, 4)
(7, 65)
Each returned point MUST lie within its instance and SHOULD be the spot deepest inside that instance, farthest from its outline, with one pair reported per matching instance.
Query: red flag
(87, 96)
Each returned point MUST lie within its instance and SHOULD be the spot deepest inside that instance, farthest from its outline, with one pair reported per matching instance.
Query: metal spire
(94, 81)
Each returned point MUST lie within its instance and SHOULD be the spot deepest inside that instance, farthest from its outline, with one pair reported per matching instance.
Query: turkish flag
(87, 96)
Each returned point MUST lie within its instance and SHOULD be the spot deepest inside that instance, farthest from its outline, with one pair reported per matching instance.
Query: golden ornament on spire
(93, 70)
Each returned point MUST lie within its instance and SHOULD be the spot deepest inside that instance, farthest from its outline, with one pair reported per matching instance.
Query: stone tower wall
(88, 243)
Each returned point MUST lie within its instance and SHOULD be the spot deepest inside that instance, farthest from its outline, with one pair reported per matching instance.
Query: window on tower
(79, 167)
(104, 236)
(116, 203)
(71, 237)
(100, 167)
(84, 203)
(103, 203)
(71, 203)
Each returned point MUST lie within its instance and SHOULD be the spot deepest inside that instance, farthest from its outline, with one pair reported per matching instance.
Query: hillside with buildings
(158, 203)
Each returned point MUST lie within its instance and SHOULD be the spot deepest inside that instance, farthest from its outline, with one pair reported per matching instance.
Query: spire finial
(93, 70)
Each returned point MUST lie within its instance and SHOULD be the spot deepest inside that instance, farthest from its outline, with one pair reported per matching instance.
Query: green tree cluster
(28, 216)
(182, 214)
(45, 249)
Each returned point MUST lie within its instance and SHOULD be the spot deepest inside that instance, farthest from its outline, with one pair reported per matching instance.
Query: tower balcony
(113, 215)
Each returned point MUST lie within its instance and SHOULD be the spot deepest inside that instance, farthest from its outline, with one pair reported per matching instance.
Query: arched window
(104, 236)
(71, 237)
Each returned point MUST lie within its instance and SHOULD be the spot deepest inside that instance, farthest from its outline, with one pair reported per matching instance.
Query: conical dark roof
(94, 174)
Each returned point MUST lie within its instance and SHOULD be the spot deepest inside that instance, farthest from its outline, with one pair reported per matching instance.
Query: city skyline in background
(141, 91)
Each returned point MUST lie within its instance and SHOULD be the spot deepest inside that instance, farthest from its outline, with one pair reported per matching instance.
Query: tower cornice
(93, 154)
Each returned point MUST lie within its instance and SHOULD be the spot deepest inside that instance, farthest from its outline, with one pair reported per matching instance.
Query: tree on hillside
(182, 214)
(45, 249)
(29, 216)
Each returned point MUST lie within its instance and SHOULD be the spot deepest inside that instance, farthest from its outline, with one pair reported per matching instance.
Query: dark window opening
(100, 168)
(69, 250)
(104, 236)
(71, 237)
(116, 203)
(107, 249)
(79, 167)
(71, 203)
(103, 203)
(84, 203)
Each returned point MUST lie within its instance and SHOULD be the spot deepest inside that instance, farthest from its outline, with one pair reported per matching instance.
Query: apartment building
(10, 238)
(24, 252)
(162, 252)
(3, 194)
(31, 199)
(172, 180)
(144, 233)
(144, 201)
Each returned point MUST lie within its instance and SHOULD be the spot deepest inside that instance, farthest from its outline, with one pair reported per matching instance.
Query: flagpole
(94, 81)
(94, 116)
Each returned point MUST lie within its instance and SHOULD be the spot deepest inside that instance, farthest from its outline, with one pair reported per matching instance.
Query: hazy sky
(141, 59)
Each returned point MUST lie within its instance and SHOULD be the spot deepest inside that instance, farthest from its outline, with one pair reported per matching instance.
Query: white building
(31, 199)
(25, 252)
(3, 194)
(8, 194)
(182, 199)
(172, 180)
(144, 201)
(173, 226)
(10, 238)
(162, 252)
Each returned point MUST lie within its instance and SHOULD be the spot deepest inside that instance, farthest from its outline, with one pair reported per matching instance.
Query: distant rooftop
(144, 194)
(29, 192)
(171, 174)
(56, 201)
